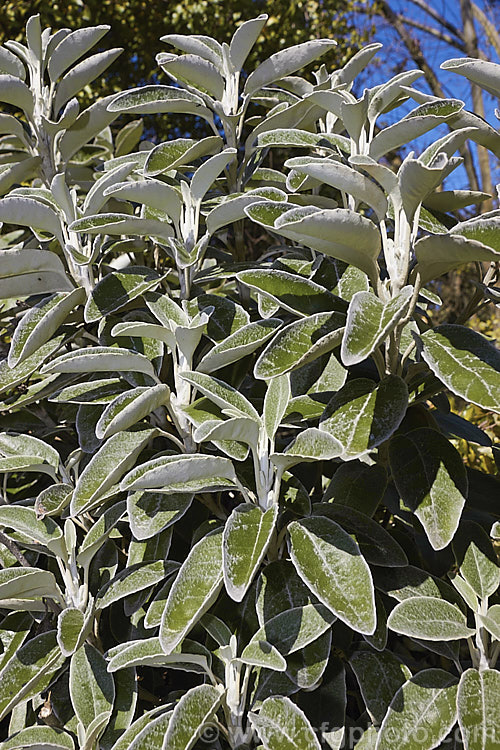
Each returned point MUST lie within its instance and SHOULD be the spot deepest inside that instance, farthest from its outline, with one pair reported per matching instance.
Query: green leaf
(405, 583)
(147, 732)
(129, 408)
(70, 626)
(491, 621)
(275, 404)
(413, 125)
(291, 291)
(294, 137)
(82, 74)
(113, 223)
(422, 712)
(358, 486)
(307, 667)
(232, 209)
(279, 589)
(40, 323)
(369, 322)
(379, 675)
(148, 652)
(466, 362)
(117, 289)
(185, 473)
(106, 467)
(92, 689)
(238, 345)
(430, 619)
(441, 253)
(281, 725)
(101, 359)
(123, 709)
(344, 178)
(151, 512)
(29, 671)
(247, 534)
(330, 563)
(52, 500)
(14, 91)
(28, 445)
(38, 737)
(27, 583)
(194, 590)
(147, 100)
(376, 544)
(430, 477)
(44, 530)
(309, 445)
(12, 376)
(482, 72)
(231, 401)
(195, 709)
(476, 559)
(295, 629)
(173, 154)
(134, 578)
(72, 47)
(261, 653)
(478, 703)
(357, 239)
(300, 342)
(99, 533)
(285, 62)
(364, 414)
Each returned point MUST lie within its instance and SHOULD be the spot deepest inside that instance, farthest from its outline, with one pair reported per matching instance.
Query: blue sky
(394, 54)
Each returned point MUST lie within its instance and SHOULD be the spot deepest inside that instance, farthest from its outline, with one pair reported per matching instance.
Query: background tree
(137, 26)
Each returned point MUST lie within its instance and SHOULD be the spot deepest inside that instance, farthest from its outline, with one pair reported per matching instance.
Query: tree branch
(437, 17)
(413, 46)
(441, 35)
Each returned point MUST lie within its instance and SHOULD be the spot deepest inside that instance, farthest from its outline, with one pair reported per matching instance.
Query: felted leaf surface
(300, 342)
(478, 703)
(430, 478)
(369, 322)
(379, 675)
(330, 563)
(117, 289)
(247, 534)
(281, 725)
(421, 714)
(107, 466)
(466, 362)
(194, 590)
(430, 619)
(362, 414)
(192, 712)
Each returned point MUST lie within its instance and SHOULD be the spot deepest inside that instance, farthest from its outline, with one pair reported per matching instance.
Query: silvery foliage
(238, 475)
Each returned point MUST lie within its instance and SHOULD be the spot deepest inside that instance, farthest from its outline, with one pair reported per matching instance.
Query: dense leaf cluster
(232, 510)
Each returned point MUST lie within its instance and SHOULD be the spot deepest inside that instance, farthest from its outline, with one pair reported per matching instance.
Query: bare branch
(413, 46)
(437, 17)
(441, 35)
(489, 29)
(14, 550)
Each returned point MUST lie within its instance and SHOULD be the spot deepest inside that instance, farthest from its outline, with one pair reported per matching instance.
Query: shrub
(233, 513)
